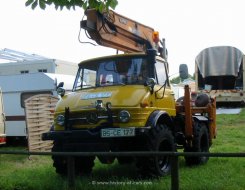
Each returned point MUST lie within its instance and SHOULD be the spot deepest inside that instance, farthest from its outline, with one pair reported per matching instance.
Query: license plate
(117, 132)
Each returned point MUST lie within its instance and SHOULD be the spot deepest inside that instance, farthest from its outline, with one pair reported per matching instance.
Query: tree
(97, 4)
(177, 80)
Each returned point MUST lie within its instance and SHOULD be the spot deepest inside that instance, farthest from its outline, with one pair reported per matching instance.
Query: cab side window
(161, 74)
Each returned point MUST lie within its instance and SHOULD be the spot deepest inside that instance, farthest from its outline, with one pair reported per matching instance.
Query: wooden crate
(39, 111)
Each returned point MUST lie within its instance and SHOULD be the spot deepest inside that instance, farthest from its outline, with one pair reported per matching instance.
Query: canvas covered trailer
(220, 72)
(17, 88)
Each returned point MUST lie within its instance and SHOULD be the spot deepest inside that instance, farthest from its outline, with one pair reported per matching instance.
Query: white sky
(187, 25)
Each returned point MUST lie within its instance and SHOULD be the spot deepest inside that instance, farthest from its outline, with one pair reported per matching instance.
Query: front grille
(88, 118)
(93, 119)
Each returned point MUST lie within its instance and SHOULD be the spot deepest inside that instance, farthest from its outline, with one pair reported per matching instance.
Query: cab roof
(116, 57)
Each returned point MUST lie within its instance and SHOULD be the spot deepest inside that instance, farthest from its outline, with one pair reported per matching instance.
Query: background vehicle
(220, 73)
(2, 119)
(17, 88)
(124, 103)
(15, 62)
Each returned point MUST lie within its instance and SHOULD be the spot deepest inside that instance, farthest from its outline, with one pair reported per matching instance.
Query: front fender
(159, 116)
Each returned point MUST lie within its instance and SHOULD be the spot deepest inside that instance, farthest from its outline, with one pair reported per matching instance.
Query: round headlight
(60, 120)
(124, 116)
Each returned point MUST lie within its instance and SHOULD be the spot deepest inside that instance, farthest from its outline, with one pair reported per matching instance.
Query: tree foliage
(177, 80)
(60, 4)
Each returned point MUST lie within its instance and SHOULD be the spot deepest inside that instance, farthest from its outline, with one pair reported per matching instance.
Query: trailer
(2, 121)
(17, 88)
(220, 73)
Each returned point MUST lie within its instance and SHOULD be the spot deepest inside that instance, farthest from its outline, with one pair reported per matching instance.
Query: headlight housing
(124, 116)
(60, 120)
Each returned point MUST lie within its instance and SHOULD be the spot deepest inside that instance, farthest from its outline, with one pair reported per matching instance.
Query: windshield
(121, 71)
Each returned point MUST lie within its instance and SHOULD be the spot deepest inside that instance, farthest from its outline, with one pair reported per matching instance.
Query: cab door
(164, 96)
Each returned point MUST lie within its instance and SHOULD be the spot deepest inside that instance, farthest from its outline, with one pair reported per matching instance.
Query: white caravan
(17, 88)
(2, 121)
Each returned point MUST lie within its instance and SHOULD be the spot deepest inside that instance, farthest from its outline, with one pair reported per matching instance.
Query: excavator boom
(119, 32)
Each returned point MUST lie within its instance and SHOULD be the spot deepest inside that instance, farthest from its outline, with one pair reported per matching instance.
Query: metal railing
(174, 156)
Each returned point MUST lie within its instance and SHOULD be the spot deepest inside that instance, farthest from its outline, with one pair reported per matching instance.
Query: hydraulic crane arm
(116, 31)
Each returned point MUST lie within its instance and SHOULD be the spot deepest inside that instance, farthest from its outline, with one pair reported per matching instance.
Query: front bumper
(87, 140)
(87, 135)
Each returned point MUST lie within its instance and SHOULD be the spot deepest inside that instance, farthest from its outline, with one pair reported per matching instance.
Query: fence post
(174, 172)
(71, 172)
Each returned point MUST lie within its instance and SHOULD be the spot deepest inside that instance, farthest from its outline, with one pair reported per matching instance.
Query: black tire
(200, 144)
(83, 165)
(59, 162)
(160, 139)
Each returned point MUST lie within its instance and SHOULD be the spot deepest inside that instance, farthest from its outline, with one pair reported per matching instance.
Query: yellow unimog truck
(124, 102)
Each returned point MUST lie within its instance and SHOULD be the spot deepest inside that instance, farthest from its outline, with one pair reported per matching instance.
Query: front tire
(160, 139)
(83, 165)
(59, 162)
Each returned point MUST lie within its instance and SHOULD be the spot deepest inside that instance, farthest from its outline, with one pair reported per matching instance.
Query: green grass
(18, 172)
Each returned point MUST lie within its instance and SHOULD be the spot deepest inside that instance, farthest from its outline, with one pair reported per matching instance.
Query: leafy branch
(60, 4)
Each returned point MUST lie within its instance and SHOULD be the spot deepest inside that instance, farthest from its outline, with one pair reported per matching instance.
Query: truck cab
(125, 84)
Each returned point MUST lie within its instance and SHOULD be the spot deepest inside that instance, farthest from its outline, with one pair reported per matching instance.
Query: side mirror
(151, 82)
(183, 71)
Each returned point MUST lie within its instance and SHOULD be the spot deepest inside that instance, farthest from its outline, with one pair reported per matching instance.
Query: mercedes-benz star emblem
(92, 118)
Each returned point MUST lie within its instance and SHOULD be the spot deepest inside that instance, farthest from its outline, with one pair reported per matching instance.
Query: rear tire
(200, 144)
(160, 139)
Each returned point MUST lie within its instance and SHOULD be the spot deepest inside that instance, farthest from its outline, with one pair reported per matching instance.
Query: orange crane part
(113, 30)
